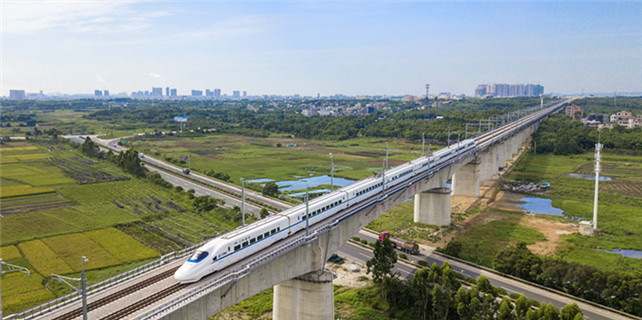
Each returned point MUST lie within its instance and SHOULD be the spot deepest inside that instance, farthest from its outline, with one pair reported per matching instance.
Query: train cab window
(228, 248)
(236, 247)
(267, 234)
(245, 244)
(198, 256)
(252, 240)
(214, 259)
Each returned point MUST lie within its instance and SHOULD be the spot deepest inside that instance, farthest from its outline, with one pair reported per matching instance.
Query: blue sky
(326, 47)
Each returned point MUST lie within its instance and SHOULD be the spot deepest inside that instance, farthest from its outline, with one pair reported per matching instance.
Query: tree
(518, 261)
(264, 213)
(570, 311)
(522, 305)
(382, 262)
(505, 311)
(453, 248)
(271, 189)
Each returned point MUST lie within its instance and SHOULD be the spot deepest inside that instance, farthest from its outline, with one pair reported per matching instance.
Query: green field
(257, 158)
(619, 214)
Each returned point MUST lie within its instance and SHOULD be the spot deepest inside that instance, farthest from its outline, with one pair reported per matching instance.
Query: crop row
(22, 190)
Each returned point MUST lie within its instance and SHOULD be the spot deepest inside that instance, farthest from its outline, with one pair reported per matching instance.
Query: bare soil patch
(552, 230)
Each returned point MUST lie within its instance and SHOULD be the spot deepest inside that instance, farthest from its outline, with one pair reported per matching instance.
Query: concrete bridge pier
(466, 180)
(310, 296)
(508, 149)
(485, 169)
(500, 158)
(433, 206)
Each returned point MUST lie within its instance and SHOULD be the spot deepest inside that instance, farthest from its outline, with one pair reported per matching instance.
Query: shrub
(422, 263)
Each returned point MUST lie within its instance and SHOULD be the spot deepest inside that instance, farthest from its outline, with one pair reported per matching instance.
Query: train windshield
(198, 256)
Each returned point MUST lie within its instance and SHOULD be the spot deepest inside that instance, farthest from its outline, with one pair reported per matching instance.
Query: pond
(627, 253)
(587, 177)
(540, 206)
(311, 182)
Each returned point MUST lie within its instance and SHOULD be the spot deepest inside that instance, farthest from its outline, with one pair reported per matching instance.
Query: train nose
(185, 274)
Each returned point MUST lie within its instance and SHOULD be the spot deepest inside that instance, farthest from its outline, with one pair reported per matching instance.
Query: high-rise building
(217, 93)
(98, 93)
(172, 92)
(209, 93)
(236, 94)
(16, 94)
(167, 91)
(157, 92)
(106, 93)
(509, 90)
(244, 94)
(197, 93)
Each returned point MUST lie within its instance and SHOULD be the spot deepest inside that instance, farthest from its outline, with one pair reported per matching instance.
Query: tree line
(402, 120)
(616, 290)
(438, 293)
(560, 135)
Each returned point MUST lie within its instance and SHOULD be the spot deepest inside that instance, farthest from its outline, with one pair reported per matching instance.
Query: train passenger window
(237, 247)
(259, 237)
(267, 234)
(245, 244)
(214, 259)
(252, 240)
(278, 228)
(228, 248)
(273, 231)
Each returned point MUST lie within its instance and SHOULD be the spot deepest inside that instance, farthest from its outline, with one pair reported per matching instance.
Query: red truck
(405, 246)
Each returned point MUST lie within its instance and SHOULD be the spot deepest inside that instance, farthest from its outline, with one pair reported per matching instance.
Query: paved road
(361, 254)
(199, 190)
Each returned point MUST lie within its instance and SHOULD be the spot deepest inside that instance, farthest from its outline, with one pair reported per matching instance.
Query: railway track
(117, 295)
(124, 312)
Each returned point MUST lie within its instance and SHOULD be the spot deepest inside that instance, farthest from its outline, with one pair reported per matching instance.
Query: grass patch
(482, 242)
(7, 192)
(400, 221)
(619, 215)
(120, 245)
(21, 292)
(43, 259)
(9, 252)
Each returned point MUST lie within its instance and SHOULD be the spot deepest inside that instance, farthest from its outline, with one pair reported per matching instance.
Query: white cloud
(96, 17)
(154, 75)
(100, 79)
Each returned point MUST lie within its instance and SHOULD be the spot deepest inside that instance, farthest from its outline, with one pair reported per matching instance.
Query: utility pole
(307, 212)
(83, 288)
(466, 136)
(331, 173)
(423, 142)
(598, 148)
(243, 199)
(82, 284)
(449, 136)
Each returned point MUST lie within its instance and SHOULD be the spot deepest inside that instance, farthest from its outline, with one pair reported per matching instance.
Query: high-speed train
(236, 245)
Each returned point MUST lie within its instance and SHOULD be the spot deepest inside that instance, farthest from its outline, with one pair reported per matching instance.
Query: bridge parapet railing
(100, 286)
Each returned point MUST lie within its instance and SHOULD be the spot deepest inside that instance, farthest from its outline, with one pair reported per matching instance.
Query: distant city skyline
(319, 48)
